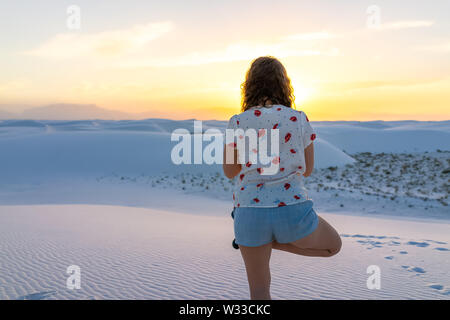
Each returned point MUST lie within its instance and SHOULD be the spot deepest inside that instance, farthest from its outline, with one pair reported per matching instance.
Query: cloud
(14, 85)
(407, 24)
(239, 51)
(310, 36)
(108, 43)
(439, 48)
(376, 84)
(127, 44)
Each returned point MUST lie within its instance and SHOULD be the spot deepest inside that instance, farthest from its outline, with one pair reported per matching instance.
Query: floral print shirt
(253, 188)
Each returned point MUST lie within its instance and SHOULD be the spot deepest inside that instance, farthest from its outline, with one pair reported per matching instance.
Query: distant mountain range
(65, 111)
(6, 115)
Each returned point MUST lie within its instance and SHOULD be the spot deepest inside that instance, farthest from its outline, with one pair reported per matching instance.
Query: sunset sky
(187, 59)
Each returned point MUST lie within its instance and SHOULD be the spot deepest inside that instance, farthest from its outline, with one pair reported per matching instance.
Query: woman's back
(258, 184)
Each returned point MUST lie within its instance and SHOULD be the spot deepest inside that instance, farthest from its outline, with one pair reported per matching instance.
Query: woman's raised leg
(323, 242)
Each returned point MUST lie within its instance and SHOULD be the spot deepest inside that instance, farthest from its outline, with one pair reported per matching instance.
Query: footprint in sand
(370, 241)
(418, 244)
(437, 242)
(371, 244)
(37, 295)
(417, 270)
(436, 286)
(366, 236)
(440, 288)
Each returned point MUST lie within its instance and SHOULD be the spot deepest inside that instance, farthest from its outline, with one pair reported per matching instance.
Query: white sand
(137, 253)
(105, 196)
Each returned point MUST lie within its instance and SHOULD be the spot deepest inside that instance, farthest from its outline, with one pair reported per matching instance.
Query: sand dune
(33, 148)
(134, 253)
(104, 195)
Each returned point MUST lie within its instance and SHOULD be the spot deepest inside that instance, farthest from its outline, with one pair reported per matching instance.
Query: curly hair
(266, 80)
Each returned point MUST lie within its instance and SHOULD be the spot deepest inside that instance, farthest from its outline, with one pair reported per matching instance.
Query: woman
(273, 211)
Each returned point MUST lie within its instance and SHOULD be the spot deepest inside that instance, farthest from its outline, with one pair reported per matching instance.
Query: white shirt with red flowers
(252, 187)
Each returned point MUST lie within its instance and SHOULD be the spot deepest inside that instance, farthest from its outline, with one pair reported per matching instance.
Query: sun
(302, 93)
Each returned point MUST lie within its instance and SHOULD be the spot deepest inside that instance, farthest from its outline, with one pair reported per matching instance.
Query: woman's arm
(231, 169)
(309, 160)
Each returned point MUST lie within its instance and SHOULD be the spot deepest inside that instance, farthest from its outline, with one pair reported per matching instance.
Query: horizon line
(194, 119)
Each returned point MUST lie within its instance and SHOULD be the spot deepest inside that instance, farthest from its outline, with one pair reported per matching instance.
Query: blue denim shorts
(255, 226)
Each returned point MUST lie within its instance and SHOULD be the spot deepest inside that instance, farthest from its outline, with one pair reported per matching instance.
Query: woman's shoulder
(298, 113)
(257, 111)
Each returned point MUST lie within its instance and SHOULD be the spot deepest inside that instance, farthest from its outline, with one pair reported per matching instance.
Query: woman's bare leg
(323, 242)
(256, 261)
